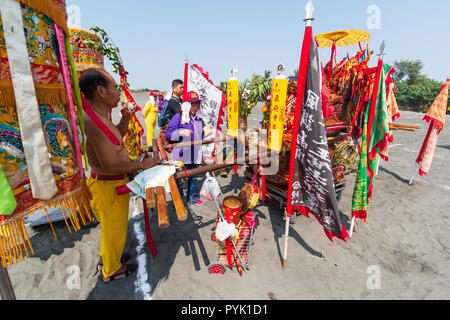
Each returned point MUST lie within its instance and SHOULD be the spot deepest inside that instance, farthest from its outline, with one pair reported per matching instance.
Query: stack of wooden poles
(404, 127)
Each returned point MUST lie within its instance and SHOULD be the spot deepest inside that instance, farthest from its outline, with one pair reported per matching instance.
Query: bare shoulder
(89, 124)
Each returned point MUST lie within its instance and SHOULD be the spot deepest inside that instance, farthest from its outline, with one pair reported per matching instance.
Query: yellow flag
(277, 113)
(233, 107)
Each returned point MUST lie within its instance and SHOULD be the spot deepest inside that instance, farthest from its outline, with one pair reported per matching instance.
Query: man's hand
(150, 163)
(126, 115)
(185, 133)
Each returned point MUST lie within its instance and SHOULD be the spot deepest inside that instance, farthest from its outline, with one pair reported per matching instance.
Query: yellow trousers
(111, 210)
(150, 117)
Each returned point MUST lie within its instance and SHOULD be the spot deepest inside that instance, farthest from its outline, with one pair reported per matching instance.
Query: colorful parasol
(340, 39)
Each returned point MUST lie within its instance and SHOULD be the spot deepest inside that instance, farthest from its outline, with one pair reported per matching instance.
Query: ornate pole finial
(382, 53)
(280, 72)
(234, 74)
(309, 13)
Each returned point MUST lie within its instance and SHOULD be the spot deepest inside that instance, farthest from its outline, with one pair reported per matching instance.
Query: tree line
(415, 91)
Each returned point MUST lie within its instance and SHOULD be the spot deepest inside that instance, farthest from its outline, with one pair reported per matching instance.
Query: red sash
(88, 109)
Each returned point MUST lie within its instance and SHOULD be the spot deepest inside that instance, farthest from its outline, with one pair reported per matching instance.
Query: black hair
(177, 83)
(90, 80)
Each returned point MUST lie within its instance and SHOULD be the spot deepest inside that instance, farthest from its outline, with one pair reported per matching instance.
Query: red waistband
(107, 178)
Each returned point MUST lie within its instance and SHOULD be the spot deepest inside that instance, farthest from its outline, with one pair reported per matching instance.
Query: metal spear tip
(309, 13)
(382, 47)
(309, 10)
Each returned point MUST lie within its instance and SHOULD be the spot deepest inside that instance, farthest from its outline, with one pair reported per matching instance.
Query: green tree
(418, 97)
(409, 71)
(415, 91)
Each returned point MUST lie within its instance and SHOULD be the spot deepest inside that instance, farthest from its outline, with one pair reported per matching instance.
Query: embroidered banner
(42, 182)
(313, 190)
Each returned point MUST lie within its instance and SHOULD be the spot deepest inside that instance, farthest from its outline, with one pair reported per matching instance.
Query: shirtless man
(110, 164)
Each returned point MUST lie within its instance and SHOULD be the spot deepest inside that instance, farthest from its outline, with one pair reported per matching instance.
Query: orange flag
(436, 117)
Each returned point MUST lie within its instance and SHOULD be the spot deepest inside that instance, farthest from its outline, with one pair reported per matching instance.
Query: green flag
(371, 144)
(7, 201)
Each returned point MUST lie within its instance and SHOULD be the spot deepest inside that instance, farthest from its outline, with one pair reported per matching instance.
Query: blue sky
(252, 36)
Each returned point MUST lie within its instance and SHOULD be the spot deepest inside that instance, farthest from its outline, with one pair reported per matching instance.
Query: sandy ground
(405, 245)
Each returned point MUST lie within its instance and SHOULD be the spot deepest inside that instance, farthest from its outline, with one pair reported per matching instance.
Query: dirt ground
(403, 252)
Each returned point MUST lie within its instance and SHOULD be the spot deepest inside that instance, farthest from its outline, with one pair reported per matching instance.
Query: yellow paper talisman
(277, 113)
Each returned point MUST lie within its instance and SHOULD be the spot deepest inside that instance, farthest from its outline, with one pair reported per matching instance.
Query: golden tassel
(76, 206)
(22, 237)
(11, 242)
(3, 252)
(69, 215)
(72, 214)
(26, 235)
(45, 93)
(7, 97)
(67, 224)
(50, 222)
(16, 240)
(8, 253)
(84, 211)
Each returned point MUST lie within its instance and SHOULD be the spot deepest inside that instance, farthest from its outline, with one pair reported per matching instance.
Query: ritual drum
(232, 209)
(250, 197)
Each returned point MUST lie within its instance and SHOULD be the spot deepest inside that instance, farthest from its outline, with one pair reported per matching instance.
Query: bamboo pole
(187, 144)
(6, 288)
(352, 227)
(286, 241)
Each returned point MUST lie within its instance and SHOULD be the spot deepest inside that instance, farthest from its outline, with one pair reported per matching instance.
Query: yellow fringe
(45, 93)
(13, 232)
(51, 9)
(81, 67)
(50, 222)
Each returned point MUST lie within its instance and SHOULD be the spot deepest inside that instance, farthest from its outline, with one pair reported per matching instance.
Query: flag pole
(6, 288)
(352, 227)
(416, 169)
(300, 94)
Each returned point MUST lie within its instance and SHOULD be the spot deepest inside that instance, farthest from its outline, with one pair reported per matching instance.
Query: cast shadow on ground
(45, 245)
(445, 147)
(180, 235)
(235, 185)
(396, 176)
(278, 227)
